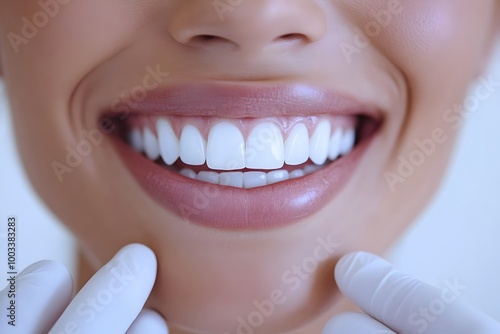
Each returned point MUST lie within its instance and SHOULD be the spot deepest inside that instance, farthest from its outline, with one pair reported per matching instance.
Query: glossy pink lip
(240, 100)
(233, 208)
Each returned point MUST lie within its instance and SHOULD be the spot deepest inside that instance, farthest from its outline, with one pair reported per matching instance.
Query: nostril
(293, 37)
(205, 40)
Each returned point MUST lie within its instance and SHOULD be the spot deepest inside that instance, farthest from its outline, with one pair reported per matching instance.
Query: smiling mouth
(240, 156)
(245, 153)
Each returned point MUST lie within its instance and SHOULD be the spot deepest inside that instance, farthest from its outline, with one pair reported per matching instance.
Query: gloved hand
(397, 303)
(111, 302)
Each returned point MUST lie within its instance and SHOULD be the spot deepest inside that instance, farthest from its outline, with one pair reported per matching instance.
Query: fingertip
(141, 260)
(138, 251)
(47, 271)
(40, 266)
(120, 288)
(350, 264)
(136, 247)
(148, 321)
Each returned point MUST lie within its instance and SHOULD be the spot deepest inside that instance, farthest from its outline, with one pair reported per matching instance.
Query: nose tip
(248, 25)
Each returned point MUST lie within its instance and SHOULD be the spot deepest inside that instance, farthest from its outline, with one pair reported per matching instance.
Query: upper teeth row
(226, 148)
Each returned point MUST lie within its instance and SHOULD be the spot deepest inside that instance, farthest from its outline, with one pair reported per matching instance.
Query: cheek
(438, 45)
(435, 38)
(422, 35)
(59, 50)
(48, 61)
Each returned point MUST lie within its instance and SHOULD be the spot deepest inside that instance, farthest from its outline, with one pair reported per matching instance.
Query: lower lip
(232, 208)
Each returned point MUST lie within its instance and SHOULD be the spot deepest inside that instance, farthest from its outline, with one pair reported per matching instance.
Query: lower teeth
(249, 180)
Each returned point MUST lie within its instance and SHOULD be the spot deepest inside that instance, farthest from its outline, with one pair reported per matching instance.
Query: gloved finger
(114, 296)
(355, 323)
(404, 303)
(40, 293)
(148, 321)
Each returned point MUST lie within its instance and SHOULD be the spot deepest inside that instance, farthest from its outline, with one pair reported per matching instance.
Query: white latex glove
(111, 302)
(397, 303)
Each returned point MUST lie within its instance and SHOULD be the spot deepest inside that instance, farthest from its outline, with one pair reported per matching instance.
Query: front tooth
(192, 146)
(225, 147)
(335, 143)
(348, 141)
(265, 148)
(169, 144)
(277, 176)
(297, 145)
(210, 177)
(319, 143)
(232, 179)
(188, 173)
(254, 179)
(135, 140)
(150, 145)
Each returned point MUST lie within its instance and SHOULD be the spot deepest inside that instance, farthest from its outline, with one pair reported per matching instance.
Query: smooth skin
(91, 52)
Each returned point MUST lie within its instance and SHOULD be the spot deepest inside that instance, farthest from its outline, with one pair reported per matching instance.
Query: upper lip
(244, 100)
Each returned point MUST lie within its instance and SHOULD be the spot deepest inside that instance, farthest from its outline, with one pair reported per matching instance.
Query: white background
(456, 238)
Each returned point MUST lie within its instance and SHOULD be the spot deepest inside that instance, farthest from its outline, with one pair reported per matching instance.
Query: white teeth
(309, 169)
(225, 147)
(169, 144)
(320, 142)
(265, 148)
(188, 173)
(248, 180)
(135, 140)
(277, 176)
(254, 179)
(232, 179)
(348, 141)
(227, 150)
(192, 146)
(150, 145)
(210, 177)
(297, 173)
(335, 142)
(297, 145)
